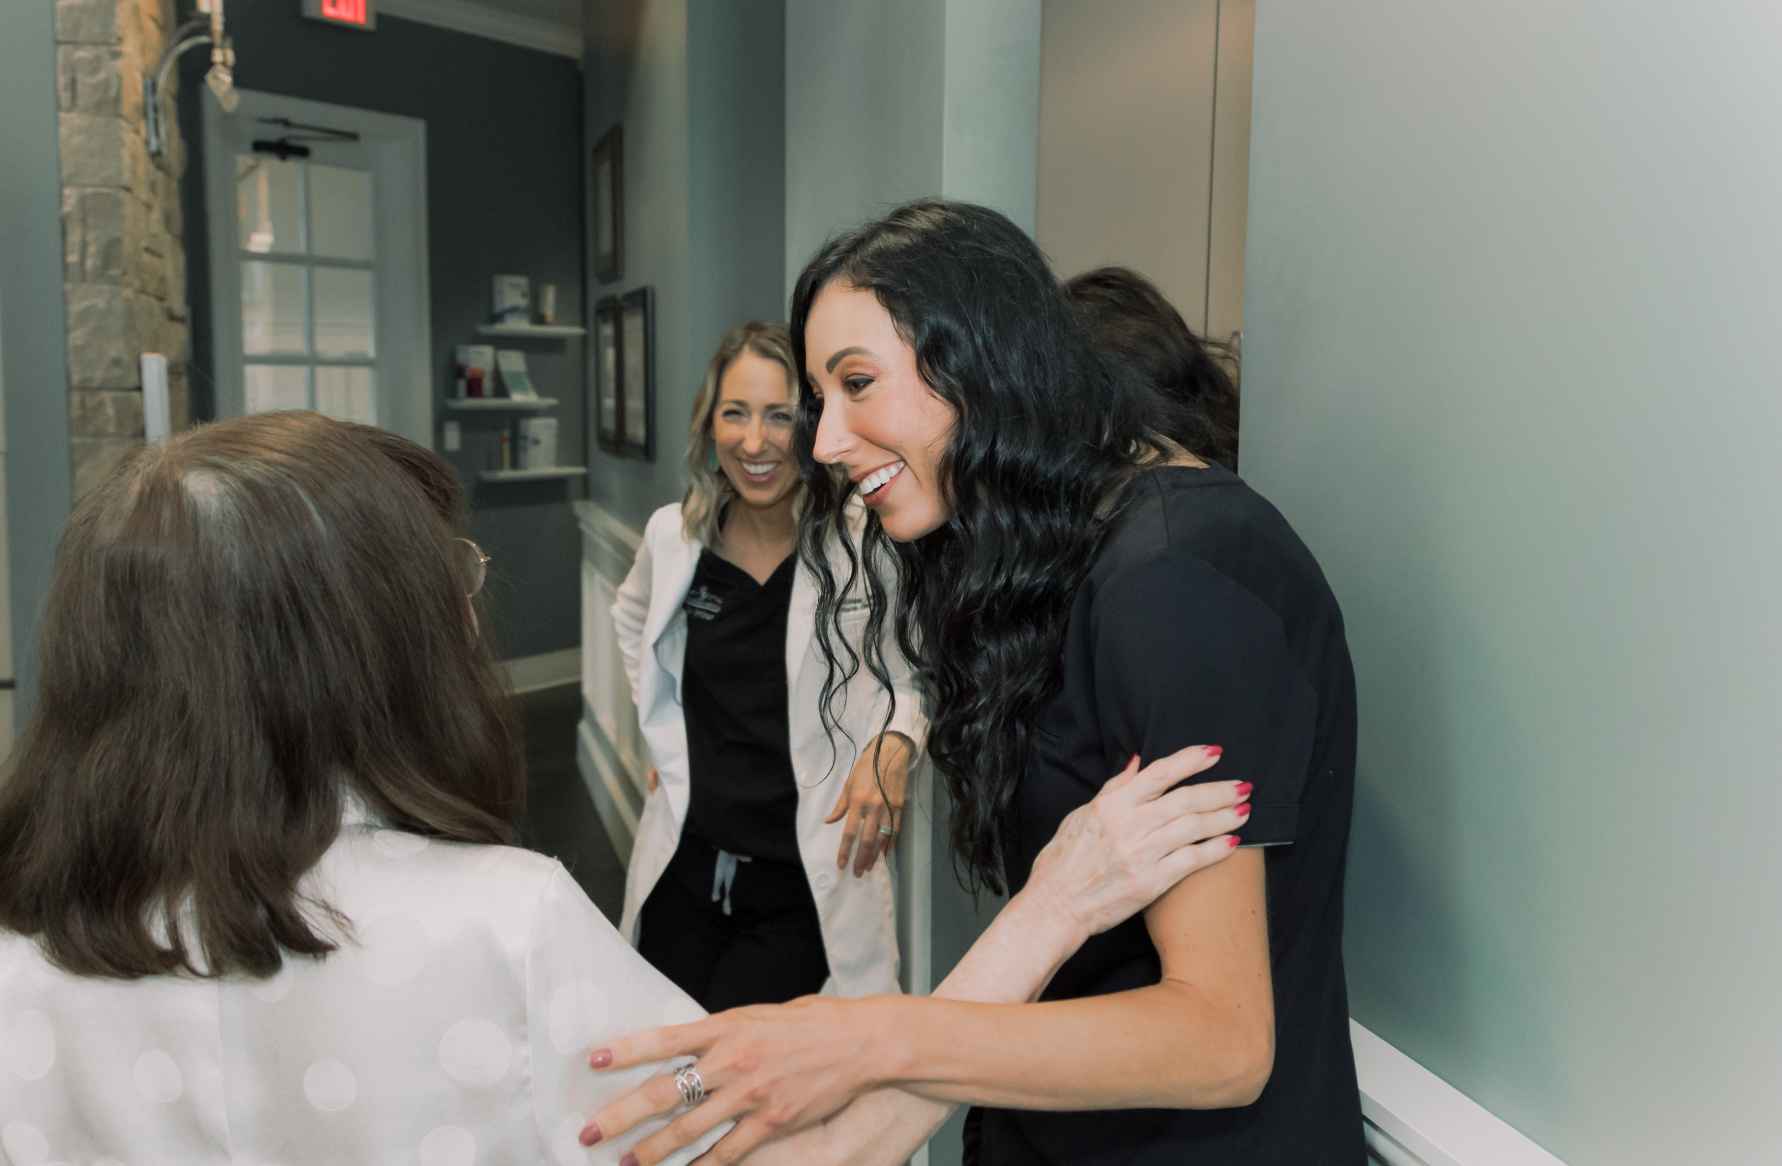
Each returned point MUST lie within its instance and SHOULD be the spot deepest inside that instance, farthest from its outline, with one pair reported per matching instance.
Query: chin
(907, 528)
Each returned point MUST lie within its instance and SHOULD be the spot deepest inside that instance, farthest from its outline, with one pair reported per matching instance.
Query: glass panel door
(308, 267)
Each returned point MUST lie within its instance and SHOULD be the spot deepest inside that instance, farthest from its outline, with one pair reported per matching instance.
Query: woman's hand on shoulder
(1140, 836)
(870, 807)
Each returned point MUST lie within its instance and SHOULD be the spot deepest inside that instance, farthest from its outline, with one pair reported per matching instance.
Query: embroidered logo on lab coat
(702, 604)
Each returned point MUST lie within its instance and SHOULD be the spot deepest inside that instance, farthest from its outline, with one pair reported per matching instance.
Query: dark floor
(560, 818)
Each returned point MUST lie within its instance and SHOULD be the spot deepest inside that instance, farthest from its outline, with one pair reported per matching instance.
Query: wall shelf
(535, 331)
(500, 404)
(540, 474)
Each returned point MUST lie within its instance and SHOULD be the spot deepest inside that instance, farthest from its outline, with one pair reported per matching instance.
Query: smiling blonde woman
(740, 888)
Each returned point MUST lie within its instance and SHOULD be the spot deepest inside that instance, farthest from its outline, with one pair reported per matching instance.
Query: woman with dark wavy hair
(1076, 589)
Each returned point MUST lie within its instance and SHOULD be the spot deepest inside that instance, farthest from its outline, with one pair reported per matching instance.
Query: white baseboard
(531, 673)
(1414, 1118)
(606, 782)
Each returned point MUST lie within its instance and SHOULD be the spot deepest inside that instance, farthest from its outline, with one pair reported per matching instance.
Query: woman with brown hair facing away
(255, 904)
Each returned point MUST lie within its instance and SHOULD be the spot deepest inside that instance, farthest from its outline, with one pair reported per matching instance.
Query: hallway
(560, 819)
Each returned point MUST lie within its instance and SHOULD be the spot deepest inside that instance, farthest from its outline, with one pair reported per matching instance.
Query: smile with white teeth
(760, 468)
(879, 479)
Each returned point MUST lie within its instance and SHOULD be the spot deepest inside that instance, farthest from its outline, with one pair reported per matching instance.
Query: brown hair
(1129, 320)
(247, 624)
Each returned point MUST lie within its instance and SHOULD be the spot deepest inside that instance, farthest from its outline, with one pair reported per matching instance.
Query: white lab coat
(857, 915)
(453, 1027)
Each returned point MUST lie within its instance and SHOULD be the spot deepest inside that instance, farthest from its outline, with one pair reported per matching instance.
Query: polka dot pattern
(330, 1086)
(28, 1044)
(448, 1146)
(158, 1079)
(24, 1144)
(466, 990)
(475, 1053)
(577, 1015)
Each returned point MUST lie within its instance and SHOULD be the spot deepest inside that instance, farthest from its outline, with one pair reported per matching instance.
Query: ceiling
(567, 12)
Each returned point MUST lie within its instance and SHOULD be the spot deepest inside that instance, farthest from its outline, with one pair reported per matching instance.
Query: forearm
(1162, 1046)
(1011, 962)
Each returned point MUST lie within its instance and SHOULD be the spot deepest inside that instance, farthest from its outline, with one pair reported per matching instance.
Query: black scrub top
(733, 695)
(1204, 620)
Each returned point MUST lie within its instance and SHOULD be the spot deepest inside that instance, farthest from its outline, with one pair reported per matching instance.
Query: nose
(755, 437)
(833, 438)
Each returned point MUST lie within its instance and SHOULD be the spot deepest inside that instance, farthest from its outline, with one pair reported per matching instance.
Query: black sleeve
(1185, 656)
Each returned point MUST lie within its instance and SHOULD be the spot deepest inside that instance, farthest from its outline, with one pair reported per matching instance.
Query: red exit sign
(347, 13)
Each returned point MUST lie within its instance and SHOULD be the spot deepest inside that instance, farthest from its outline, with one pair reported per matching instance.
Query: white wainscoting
(609, 748)
(548, 670)
(1414, 1118)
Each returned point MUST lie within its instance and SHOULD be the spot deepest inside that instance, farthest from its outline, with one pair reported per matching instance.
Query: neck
(761, 526)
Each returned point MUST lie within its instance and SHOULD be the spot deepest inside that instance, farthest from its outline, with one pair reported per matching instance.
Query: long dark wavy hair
(247, 625)
(1047, 434)
(1128, 319)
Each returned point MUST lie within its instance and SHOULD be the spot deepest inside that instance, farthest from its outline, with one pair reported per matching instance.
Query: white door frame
(396, 148)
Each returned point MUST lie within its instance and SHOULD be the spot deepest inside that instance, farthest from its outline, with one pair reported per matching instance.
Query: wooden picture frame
(608, 412)
(637, 373)
(606, 204)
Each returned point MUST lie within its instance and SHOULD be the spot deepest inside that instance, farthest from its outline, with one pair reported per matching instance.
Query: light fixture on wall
(200, 30)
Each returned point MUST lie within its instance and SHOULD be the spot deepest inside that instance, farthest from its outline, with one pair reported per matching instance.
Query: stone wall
(123, 260)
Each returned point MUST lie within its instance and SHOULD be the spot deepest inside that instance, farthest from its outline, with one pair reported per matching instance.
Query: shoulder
(433, 878)
(1190, 543)
(664, 524)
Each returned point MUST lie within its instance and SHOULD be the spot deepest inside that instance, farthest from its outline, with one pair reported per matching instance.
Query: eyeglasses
(474, 565)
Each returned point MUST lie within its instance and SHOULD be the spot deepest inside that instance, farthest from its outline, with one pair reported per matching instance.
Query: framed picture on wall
(637, 377)
(607, 416)
(606, 205)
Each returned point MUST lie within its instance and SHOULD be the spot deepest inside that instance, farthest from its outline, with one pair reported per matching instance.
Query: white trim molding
(609, 747)
(1414, 1118)
(548, 670)
(490, 23)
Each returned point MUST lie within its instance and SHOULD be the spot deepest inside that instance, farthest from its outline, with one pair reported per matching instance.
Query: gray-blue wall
(1511, 369)
(33, 331)
(697, 86)
(504, 192)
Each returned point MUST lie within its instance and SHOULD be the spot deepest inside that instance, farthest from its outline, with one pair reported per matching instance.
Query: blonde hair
(707, 487)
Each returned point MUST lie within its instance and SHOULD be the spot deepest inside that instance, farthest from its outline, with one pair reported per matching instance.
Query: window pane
(343, 312)
(340, 212)
(267, 211)
(273, 308)
(347, 393)
(276, 386)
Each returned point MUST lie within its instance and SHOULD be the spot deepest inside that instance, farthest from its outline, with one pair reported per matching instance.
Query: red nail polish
(628, 1160)
(590, 1135)
(1215, 750)
(1244, 788)
(1243, 811)
(1231, 841)
(601, 1059)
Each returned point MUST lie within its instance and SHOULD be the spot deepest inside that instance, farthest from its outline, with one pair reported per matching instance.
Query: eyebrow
(829, 366)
